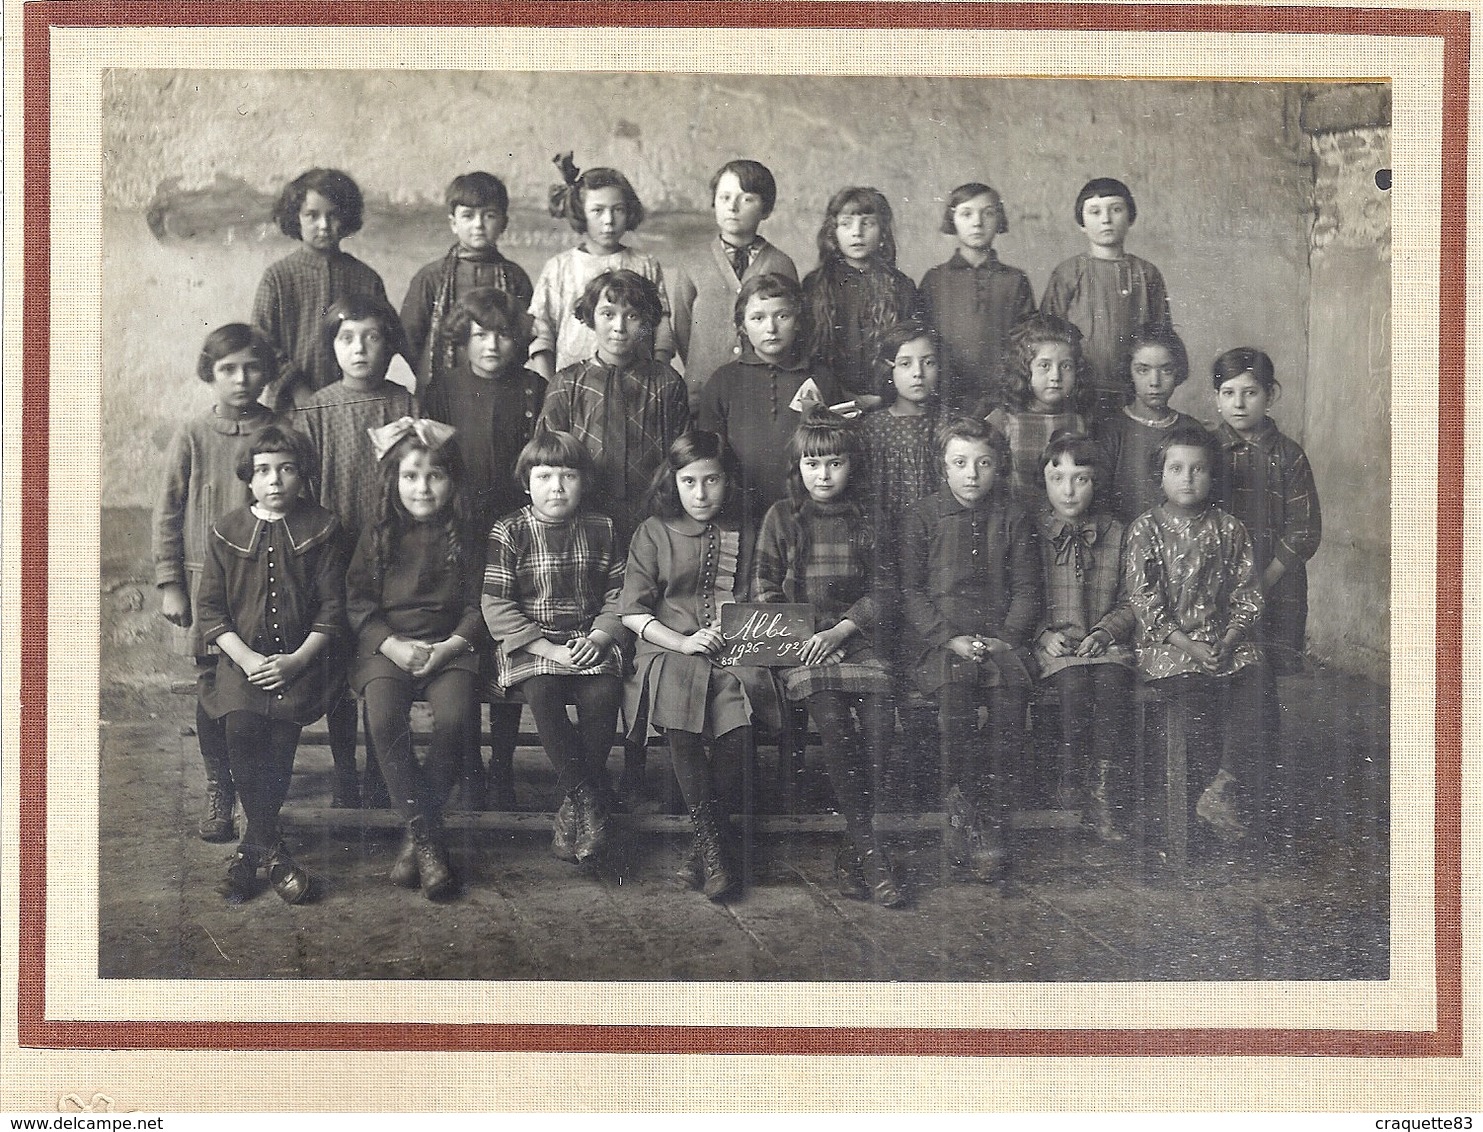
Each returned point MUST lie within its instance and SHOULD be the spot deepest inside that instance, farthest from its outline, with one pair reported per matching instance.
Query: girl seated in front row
(413, 602)
(970, 583)
(685, 562)
(817, 547)
(1189, 573)
(272, 599)
(551, 583)
(1082, 648)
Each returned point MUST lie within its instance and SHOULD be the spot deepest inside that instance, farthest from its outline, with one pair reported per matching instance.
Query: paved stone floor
(1312, 905)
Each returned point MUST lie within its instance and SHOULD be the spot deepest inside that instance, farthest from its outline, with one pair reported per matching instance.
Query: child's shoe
(433, 868)
(849, 874)
(1099, 808)
(691, 872)
(592, 821)
(1217, 808)
(880, 878)
(720, 878)
(289, 879)
(217, 826)
(240, 883)
(404, 870)
(564, 831)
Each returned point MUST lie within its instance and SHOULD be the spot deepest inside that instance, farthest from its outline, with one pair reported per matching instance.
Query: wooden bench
(791, 769)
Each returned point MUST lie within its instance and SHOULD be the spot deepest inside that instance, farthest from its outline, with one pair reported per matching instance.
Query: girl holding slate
(687, 560)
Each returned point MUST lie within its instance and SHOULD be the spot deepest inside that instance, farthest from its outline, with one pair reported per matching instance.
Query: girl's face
(1069, 486)
(914, 372)
(238, 380)
(607, 218)
(971, 468)
(858, 234)
(1155, 378)
(361, 350)
(555, 492)
(738, 212)
(423, 485)
(1052, 377)
(771, 326)
(620, 330)
(1186, 478)
(491, 352)
(1242, 403)
(825, 477)
(1106, 220)
(977, 222)
(702, 488)
(276, 481)
(320, 222)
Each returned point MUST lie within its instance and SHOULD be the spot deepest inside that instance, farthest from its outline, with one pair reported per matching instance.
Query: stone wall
(1223, 174)
(1346, 422)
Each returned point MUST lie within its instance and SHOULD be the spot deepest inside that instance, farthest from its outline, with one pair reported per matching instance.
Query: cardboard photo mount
(39, 509)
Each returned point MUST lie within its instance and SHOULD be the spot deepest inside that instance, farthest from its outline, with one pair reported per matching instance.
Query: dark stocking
(692, 767)
(504, 731)
(261, 751)
(845, 758)
(211, 734)
(579, 753)
(421, 789)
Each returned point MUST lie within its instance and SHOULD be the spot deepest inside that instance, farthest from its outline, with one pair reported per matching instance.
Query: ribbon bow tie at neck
(433, 434)
(1072, 542)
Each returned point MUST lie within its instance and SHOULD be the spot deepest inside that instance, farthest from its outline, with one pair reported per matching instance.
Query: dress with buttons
(682, 572)
(273, 582)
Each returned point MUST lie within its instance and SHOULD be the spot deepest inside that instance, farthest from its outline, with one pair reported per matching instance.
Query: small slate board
(765, 634)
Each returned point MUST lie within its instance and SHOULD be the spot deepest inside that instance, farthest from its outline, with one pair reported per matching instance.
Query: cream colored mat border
(73, 991)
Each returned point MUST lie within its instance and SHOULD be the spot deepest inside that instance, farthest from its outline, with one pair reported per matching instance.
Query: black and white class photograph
(682, 527)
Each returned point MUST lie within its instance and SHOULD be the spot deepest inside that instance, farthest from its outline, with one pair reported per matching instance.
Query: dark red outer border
(37, 1030)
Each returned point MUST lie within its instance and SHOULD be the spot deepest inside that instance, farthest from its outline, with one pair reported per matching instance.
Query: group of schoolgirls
(973, 496)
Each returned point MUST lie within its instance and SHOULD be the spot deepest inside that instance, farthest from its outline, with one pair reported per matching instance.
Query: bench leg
(791, 743)
(1176, 779)
(504, 732)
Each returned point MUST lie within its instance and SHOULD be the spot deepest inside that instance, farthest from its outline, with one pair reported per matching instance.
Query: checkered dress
(289, 308)
(1028, 434)
(835, 580)
(1267, 483)
(550, 580)
(1083, 587)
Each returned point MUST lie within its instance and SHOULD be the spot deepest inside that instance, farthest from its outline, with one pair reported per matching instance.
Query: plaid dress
(835, 579)
(552, 580)
(1267, 483)
(1028, 434)
(627, 418)
(289, 308)
(336, 419)
(1083, 563)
